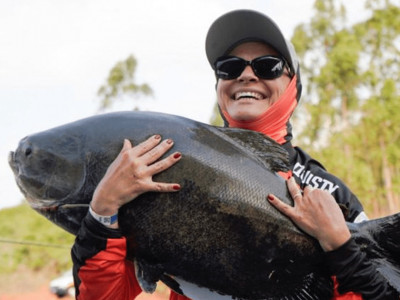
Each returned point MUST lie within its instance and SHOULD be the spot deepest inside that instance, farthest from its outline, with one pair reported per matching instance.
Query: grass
(29, 240)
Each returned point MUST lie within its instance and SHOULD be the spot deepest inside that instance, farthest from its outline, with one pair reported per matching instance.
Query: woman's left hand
(317, 213)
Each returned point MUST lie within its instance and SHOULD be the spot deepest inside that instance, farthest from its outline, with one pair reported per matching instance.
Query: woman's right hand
(317, 213)
(131, 174)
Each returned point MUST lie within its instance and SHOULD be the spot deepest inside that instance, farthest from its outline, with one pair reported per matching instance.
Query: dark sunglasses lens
(230, 68)
(268, 67)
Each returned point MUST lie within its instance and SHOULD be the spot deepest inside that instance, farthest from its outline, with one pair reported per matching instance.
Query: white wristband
(105, 220)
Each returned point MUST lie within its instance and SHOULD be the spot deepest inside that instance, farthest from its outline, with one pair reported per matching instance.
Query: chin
(247, 116)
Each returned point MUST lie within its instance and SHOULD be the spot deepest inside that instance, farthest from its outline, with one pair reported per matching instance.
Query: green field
(29, 240)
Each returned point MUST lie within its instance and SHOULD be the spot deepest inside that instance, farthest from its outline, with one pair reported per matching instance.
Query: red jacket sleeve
(100, 269)
(107, 275)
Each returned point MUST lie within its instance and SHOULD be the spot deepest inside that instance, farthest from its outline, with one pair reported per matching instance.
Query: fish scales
(217, 232)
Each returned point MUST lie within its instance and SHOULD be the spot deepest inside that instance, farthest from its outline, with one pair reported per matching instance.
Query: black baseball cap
(239, 26)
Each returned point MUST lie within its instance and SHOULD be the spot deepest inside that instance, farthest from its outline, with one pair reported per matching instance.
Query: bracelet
(105, 220)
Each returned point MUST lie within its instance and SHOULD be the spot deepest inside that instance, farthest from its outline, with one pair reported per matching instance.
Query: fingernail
(157, 136)
(176, 187)
(169, 141)
(177, 155)
(270, 197)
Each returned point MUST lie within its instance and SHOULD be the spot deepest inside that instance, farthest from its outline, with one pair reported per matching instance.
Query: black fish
(219, 231)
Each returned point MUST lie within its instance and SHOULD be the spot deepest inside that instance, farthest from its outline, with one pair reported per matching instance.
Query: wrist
(104, 204)
(109, 220)
(334, 243)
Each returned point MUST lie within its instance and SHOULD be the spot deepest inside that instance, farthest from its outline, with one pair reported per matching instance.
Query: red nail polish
(176, 187)
(157, 136)
(177, 155)
(169, 141)
(270, 197)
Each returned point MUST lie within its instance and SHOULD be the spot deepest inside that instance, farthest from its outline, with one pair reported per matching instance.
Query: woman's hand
(131, 174)
(317, 213)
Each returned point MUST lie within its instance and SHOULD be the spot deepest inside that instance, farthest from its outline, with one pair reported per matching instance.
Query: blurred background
(65, 60)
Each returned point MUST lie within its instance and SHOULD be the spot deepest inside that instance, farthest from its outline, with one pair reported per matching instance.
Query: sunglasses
(265, 67)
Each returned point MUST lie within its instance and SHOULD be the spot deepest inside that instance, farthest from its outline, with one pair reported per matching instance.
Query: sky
(54, 56)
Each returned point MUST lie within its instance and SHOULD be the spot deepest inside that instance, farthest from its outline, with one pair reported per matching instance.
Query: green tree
(121, 83)
(216, 118)
(352, 98)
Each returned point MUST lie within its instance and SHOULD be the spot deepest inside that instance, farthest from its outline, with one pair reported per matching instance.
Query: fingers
(127, 145)
(294, 190)
(151, 149)
(164, 187)
(165, 163)
(281, 206)
(144, 161)
(307, 190)
(147, 145)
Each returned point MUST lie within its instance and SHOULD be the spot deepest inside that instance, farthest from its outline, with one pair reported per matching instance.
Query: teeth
(240, 95)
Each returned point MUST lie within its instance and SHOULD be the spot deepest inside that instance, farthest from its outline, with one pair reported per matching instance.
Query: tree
(121, 83)
(352, 98)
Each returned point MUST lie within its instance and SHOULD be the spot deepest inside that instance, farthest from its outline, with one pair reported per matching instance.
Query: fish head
(50, 171)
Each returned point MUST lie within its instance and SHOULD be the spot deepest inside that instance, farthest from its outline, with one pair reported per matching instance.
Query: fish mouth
(42, 205)
(67, 216)
(39, 193)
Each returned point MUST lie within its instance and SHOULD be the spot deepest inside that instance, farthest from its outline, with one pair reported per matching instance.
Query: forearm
(100, 268)
(355, 273)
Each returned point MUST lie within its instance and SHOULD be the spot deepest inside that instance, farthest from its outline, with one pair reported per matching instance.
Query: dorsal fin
(272, 155)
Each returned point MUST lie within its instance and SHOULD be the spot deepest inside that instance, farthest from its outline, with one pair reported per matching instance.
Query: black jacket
(308, 171)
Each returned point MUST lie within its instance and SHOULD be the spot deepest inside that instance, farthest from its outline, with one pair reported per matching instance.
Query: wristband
(105, 220)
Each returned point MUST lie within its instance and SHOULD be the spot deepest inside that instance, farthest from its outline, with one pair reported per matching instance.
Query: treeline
(349, 118)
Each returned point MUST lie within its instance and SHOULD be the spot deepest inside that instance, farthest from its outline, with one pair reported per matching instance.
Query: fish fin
(147, 275)
(171, 283)
(387, 233)
(271, 154)
(384, 250)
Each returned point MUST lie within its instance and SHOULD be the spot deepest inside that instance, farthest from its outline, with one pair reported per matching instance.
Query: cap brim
(239, 26)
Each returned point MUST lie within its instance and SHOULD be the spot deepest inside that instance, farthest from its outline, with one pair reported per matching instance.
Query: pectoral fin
(147, 275)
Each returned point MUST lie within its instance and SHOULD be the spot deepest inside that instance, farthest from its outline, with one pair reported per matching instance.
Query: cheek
(283, 84)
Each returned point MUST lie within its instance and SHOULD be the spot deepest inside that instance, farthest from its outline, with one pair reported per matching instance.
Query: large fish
(218, 231)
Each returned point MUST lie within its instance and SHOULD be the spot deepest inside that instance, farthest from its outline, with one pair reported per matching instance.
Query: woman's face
(247, 97)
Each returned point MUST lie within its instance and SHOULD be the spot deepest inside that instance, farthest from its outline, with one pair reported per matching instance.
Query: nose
(25, 149)
(248, 75)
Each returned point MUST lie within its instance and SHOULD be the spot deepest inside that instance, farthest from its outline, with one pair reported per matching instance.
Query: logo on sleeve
(308, 178)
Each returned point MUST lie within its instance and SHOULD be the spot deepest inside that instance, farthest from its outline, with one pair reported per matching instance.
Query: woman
(258, 87)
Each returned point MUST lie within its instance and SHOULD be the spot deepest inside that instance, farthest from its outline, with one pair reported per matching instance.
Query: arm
(317, 213)
(100, 268)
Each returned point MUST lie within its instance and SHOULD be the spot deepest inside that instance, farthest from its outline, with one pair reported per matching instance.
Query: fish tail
(384, 251)
(386, 231)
